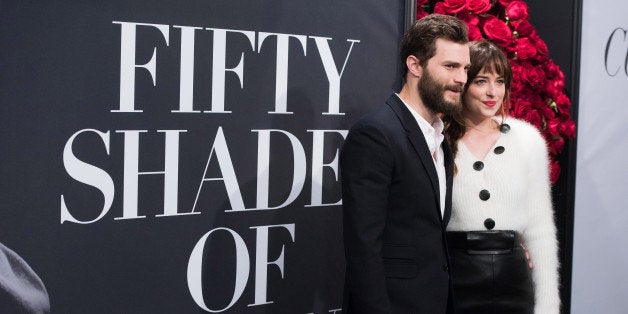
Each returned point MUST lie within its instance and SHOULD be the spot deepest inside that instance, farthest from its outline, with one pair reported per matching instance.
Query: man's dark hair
(420, 39)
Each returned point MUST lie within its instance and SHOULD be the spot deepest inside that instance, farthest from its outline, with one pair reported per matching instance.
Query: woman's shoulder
(520, 125)
(524, 132)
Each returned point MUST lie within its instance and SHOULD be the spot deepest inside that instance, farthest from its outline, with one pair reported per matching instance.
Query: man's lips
(455, 89)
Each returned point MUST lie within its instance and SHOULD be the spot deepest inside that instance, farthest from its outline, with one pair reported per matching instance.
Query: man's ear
(414, 68)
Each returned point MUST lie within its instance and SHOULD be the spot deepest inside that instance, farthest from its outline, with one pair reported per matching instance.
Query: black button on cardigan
(489, 223)
(485, 195)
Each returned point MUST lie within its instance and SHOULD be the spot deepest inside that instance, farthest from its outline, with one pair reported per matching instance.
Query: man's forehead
(451, 50)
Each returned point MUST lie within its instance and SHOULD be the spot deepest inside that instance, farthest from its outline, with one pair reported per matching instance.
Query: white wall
(600, 260)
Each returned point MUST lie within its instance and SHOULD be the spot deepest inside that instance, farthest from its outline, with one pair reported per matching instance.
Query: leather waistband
(483, 242)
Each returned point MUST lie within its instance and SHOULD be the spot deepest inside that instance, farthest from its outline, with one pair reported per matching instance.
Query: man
(397, 178)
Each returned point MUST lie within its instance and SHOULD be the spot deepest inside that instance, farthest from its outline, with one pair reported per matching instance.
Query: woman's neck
(483, 126)
(480, 136)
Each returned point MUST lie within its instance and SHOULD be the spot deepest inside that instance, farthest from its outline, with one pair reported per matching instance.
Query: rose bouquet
(538, 87)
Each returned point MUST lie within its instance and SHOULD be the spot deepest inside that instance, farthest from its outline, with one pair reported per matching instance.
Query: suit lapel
(449, 174)
(416, 137)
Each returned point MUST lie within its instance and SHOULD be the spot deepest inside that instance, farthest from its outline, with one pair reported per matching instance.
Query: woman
(501, 199)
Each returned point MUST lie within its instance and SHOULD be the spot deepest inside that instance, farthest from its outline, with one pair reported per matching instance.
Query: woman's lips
(490, 103)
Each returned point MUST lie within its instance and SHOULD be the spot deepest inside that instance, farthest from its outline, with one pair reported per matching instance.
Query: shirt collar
(433, 132)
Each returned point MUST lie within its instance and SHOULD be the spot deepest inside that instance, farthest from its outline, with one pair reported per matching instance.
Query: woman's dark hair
(485, 56)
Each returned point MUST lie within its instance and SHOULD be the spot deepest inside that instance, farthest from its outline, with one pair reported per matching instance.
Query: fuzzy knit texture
(520, 200)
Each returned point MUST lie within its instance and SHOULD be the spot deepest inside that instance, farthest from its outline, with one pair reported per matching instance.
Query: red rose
(440, 8)
(563, 104)
(523, 28)
(553, 71)
(521, 108)
(552, 126)
(449, 6)
(504, 2)
(518, 109)
(474, 33)
(540, 45)
(519, 105)
(516, 85)
(554, 171)
(420, 2)
(555, 87)
(556, 146)
(533, 75)
(525, 49)
(568, 128)
(498, 32)
(544, 110)
(509, 51)
(533, 118)
(478, 6)
(517, 69)
(517, 10)
(469, 18)
(420, 13)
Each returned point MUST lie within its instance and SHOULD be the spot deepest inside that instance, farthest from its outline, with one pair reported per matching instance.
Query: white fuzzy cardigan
(520, 199)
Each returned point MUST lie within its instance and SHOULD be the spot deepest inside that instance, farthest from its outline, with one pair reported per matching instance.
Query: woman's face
(484, 96)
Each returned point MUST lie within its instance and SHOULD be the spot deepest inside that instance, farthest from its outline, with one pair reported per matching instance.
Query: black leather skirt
(490, 273)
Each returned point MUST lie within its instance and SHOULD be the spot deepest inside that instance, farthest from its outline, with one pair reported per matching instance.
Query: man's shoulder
(382, 118)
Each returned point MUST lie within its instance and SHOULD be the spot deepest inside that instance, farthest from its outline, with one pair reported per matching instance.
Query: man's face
(444, 76)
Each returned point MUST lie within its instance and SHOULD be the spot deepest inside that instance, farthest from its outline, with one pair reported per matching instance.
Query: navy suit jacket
(394, 234)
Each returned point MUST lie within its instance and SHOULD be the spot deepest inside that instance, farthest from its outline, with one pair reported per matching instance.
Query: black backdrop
(60, 74)
(72, 135)
(559, 24)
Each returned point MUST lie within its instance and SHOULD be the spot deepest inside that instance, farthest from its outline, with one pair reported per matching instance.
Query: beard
(433, 95)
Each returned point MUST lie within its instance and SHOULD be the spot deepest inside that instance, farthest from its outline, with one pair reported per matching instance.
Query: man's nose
(461, 76)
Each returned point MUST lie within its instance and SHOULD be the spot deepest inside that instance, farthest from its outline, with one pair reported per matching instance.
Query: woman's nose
(490, 90)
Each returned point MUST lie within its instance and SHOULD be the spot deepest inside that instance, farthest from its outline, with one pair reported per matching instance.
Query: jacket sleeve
(366, 169)
(540, 236)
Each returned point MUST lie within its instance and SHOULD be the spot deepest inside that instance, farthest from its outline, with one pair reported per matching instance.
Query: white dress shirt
(433, 133)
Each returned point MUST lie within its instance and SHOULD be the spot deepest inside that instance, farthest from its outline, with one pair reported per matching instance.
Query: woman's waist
(484, 241)
(486, 220)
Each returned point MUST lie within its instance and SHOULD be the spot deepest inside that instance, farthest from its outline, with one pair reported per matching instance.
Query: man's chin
(450, 108)
(452, 98)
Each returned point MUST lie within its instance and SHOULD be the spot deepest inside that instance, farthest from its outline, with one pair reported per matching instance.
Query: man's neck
(411, 97)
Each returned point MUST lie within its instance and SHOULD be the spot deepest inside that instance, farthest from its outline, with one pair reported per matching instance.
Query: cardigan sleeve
(540, 234)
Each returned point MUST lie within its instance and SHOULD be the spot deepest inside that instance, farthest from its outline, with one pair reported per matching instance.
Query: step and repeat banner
(600, 255)
(182, 156)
